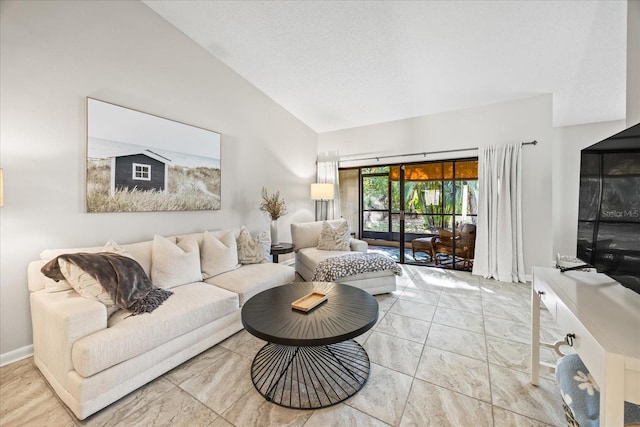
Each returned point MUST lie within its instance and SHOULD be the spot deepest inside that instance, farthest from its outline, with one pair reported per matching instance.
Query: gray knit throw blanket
(122, 277)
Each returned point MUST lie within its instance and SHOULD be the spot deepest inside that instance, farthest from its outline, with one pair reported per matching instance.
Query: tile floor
(449, 349)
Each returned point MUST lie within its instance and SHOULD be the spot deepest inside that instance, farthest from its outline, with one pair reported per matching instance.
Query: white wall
(53, 55)
(509, 122)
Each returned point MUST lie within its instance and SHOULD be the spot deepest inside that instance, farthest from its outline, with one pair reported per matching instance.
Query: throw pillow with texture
(335, 237)
(174, 264)
(63, 285)
(86, 285)
(253, 250)
(218, 254)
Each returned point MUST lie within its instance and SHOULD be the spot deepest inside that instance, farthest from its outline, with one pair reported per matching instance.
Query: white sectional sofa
(306, 236)
(92, 359)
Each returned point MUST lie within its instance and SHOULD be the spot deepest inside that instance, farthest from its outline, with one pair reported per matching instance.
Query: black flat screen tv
(609, 207)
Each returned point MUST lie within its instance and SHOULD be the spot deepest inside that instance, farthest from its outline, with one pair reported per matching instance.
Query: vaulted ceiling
(343, 64)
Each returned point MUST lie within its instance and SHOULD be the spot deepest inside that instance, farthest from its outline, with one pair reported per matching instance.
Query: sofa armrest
(59, 320)
(359, 245)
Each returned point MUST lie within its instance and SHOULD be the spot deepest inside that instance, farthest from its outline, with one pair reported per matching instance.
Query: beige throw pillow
(335, 237)
(51, 285)
(86, 285)
(218, 254)
(175, 264)
(253, 250)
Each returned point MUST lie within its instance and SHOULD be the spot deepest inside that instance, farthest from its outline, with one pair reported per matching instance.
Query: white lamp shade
(322, 191)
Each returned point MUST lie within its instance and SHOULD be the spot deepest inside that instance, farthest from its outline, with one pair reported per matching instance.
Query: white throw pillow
(253, 250)
(174, 264)
(218, 254)
(86, 285)
(51, 285)
(335, 237)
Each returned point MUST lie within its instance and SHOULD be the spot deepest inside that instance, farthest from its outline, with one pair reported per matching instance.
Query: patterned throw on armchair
(462, 240)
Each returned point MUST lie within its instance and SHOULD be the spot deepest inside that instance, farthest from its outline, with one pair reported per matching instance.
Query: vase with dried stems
(275, 206)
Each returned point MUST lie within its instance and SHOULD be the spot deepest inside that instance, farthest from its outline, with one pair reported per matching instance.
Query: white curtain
(328, 173)
(498, 251)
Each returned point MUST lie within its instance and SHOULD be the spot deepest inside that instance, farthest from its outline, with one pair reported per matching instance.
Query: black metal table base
(310, 377)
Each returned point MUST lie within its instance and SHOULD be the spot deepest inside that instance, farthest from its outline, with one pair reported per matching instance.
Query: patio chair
(465, 243)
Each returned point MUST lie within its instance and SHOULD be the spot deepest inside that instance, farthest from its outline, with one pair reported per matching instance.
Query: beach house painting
(139, 162)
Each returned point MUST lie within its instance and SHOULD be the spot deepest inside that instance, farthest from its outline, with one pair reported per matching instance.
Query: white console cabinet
(604, 318)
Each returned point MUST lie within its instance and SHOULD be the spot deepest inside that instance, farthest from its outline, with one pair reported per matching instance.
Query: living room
(56, 54)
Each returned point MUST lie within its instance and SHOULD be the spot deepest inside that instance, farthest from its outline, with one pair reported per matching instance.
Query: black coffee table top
(347, 313)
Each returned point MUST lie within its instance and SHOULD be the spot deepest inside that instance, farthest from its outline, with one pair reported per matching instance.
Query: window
(438, 194)
(141, 172)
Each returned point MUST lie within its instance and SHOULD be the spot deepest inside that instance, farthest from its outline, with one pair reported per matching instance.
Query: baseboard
(15, 355)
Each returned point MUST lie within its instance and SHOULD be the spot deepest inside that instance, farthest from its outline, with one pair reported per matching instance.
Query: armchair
(459, 243)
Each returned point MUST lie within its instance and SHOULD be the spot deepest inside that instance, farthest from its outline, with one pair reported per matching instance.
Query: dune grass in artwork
(189, 189)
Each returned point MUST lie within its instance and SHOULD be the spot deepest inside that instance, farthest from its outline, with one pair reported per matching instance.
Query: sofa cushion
(175, 264)
(218, 254)
(253, 250)
(191, 306)
(334, 237)
(307, 234)
(311, 257)
(251, 279)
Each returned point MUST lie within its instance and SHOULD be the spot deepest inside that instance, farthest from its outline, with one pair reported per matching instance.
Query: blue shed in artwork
(143, 171)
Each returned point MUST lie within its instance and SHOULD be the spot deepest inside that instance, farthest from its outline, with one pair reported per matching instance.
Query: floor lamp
(322, 192)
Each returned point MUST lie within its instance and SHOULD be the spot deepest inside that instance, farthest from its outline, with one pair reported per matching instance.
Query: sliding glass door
(403, 202)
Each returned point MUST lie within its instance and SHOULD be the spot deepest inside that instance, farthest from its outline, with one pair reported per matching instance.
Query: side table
(281, 248)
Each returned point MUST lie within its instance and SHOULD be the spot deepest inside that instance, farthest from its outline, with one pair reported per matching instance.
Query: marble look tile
(430, 405)
(342, 415)
(384, 395)
(424, 297)
(461, 287)
(428, 279)
(511, 390)
(385, 349)
(456, 340)
(26, 399)
(220, 382)
(507, 329)
(237, 340)
(504, 418)
(254, 410)
(16, 370)
(551, 333)
(250, 347)
(220, 422)
(385, 301)
(517, 313)
(361, 339)
(516, 355)
(404, 327)
(196, 364)
(115, 413)
(459, 319)
(470, 304)
(176, 408)
(498, 287)
(455, 372)
(416, 310)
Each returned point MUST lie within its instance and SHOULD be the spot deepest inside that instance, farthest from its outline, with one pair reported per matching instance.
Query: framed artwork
(138, 162)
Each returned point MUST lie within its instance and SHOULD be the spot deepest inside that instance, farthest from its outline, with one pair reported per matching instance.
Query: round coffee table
(310, 359)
